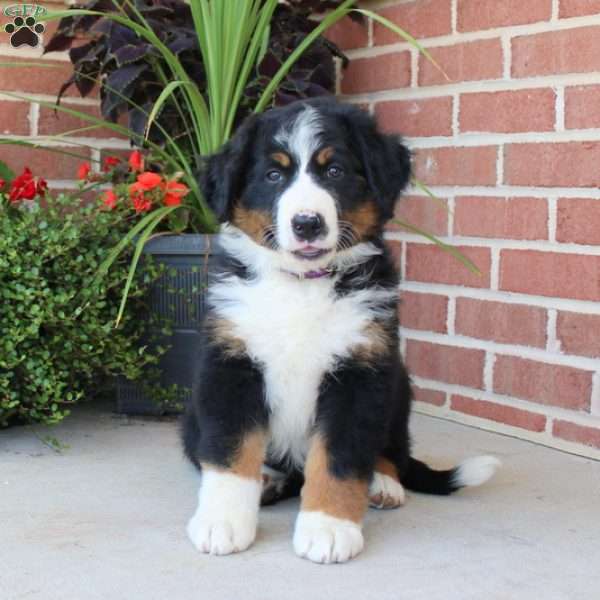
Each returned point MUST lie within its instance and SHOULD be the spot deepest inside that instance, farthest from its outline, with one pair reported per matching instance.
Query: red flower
(83, 171)
(110, 199)
(42, 186)
(136, 161)
(23, 187)
(141, 203)
(174, 192)
(148, 181)
(110, 162)
(2, 183)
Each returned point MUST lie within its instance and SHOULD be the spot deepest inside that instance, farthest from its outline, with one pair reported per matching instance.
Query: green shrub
(58, 342)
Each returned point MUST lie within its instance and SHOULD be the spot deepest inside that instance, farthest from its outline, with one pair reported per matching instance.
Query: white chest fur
(297, 330)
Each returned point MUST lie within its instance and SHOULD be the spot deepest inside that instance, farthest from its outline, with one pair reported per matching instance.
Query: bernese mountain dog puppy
(301, 387)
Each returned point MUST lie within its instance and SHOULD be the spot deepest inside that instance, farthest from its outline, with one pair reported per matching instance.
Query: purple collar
(311, 274)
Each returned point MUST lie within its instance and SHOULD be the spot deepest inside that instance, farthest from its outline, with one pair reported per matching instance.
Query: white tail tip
(475, 471)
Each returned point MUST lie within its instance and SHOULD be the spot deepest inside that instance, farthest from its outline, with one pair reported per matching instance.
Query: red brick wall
(20, 119)
(511, 144)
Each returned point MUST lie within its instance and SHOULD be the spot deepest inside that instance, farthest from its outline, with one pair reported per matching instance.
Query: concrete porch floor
(105, 520)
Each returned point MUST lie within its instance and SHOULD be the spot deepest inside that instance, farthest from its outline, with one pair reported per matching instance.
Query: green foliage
(57, 338)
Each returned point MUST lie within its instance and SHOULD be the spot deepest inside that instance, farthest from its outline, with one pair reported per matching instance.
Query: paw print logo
(24, 32)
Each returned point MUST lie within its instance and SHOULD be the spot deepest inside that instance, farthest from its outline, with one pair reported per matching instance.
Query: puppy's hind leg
(385, 490)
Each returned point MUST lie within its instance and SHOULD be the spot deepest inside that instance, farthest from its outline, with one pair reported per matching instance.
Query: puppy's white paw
(219, 535)
(325, 539)
(385, 492)
(227, 514)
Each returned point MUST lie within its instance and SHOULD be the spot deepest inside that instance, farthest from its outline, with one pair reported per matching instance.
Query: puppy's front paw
(220, 535)
(325, 539)
(227, 514)
(385, 492)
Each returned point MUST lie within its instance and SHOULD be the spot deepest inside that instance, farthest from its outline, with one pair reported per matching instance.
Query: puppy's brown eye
(274, 175)
(334, 171)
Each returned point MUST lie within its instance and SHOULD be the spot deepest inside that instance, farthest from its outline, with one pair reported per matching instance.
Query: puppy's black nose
(307, 227)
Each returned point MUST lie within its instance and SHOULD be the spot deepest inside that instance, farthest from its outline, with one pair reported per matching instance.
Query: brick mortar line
(30, 97)
(500, 165)
(495, 269)
(477, 86)
(500, 243)
(552, 203)
(455, 115)
(488, 371)
(479, 139)
(451, 212)
(454, 16)
(505, 41)
(552, 341)
(414, 69)
(541, 439)
(555, 11)
(595, 400)
(451, 316)
(72, 141)
(559, 109)
(31, 54)
(33, 117)
(506, 190)
(527, 352)
(551, 412)
(587, 307)
(460, 37)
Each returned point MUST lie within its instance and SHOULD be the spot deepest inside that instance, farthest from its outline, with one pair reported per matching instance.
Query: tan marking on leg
(324, 155)
(386, 467)
(248, 459)
(282, 158)
(252, 222)
(221, 333)
(364, 219)
(377, 345)
(341, 498)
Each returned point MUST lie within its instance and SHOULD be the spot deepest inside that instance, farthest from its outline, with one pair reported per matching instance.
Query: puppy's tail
(471, 472)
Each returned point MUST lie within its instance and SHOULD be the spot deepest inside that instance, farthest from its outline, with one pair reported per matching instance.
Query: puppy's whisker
(269, 237)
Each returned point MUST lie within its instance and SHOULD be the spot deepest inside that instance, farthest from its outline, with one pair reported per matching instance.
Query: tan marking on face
(324, 155)
(221, 333)
(248, 459)
(376, 346)
(364, 219)
(322, 491)
(252, 222)
(282, 158)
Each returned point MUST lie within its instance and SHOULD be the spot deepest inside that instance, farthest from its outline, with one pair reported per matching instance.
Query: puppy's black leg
(225, 434)
(349, 436)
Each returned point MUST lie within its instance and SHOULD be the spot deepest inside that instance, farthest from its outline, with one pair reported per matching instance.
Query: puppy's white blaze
(326, 539)
(227, 514)
(305, 196)
(475, 471)
(273, 308)
(302, 137)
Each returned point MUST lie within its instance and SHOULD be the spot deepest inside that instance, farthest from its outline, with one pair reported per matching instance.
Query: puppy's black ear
(223, 175)
(386, 160)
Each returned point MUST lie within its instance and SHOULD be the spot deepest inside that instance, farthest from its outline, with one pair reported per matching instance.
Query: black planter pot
(179, 296)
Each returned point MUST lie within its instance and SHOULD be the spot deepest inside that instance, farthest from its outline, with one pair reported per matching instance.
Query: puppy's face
(308, 181)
